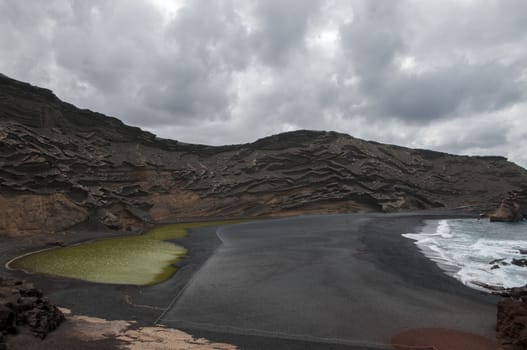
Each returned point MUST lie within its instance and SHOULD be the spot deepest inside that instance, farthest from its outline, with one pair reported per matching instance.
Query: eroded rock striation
(61, 166)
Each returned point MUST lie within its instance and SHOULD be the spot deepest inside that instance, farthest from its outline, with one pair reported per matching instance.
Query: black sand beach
(310, 282)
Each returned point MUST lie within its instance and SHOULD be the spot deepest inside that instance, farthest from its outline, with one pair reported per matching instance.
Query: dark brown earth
(66, 166)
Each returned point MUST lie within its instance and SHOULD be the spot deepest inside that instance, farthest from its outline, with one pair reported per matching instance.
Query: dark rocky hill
(61, 165)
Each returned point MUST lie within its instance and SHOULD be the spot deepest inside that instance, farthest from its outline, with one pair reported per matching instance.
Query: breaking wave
(476, 251)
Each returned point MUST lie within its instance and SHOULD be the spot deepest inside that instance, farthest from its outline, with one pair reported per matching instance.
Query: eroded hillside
(61, 165)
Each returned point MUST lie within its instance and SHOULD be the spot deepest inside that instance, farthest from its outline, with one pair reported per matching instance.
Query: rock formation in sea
(61, 166)
(512, 208)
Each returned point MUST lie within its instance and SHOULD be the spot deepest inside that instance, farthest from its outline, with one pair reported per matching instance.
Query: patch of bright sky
(289, 127)
(326, 39)
(168, 8)
(326, 33)
(410, 65)
(407, 63)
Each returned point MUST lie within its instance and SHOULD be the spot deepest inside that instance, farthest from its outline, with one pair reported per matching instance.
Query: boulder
(23, 305)
(43, 318)
(511, 209)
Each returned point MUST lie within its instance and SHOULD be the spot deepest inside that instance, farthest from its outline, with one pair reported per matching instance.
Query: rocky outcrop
(60, 165)
(23, 306)
(511, 209)
(35, 213)
(93, 333)
(511, 328)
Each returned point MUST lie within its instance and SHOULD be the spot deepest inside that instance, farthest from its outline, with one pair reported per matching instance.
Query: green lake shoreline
(144, 259)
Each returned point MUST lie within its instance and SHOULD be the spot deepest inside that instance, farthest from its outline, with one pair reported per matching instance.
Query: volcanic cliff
(61, 166)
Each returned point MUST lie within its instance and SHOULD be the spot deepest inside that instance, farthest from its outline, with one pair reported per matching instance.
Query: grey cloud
(476, 137)
(378, 36)
(192, 78)
(243, 69)
(21, 38)
(461, 88)
(371, 41)
(481, 25)
(92, 45)
(281, 27)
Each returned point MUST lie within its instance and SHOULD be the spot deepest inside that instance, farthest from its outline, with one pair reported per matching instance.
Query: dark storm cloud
(226, 71)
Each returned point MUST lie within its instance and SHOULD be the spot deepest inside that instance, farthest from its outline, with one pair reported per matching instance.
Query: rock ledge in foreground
(22, 305)
(511, 328)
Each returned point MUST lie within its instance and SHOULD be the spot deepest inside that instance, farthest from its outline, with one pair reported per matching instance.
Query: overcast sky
(448, 75)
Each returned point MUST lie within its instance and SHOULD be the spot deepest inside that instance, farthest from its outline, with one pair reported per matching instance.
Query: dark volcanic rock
(511, 327)
(519, 262)
(7, 320)
(22, 305)
(65, 166)
(496, 263)
(43, 318)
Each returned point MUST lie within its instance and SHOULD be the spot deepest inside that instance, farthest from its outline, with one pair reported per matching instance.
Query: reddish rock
(512, 209)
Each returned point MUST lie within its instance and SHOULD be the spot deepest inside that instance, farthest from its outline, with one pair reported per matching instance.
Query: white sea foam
(465, 248)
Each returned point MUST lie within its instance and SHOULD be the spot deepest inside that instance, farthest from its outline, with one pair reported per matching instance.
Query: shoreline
(110, 301)
(147, 305)
(385, 255)
(116, 260)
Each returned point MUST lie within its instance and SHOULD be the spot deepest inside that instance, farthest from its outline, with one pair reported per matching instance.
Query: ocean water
(465, 248)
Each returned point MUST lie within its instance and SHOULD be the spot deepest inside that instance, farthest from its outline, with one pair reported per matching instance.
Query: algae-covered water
(140, 260)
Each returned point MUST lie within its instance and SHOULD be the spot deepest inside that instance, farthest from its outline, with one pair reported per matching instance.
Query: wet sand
(342, 279)
(314, 282)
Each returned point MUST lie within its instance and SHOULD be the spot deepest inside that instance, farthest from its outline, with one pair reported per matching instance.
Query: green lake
(140, 259)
